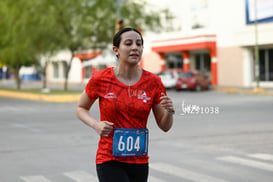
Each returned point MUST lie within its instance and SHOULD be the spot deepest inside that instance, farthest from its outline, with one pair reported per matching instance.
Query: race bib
(130, 142)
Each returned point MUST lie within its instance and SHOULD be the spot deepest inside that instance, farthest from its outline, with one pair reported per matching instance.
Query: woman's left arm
(163, 113)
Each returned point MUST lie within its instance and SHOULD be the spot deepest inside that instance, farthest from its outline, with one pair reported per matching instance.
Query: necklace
(126, 81)
(129, 88)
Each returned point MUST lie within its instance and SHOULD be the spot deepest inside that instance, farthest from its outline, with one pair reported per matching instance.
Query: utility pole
(257, 69)
(119, 21)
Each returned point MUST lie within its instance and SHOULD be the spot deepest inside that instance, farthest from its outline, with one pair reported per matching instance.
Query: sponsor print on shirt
(141, 95)
(144, 97)
(110, 95)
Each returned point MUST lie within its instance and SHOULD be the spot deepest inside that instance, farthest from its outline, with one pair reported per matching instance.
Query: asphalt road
(216, 137)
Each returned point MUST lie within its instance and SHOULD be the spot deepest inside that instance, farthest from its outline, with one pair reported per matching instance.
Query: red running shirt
(126, 107)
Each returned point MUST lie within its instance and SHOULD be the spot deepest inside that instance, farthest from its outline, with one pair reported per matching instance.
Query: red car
(192, 80)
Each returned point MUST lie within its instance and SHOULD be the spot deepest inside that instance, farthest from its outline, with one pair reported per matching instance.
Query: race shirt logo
(144, 97)
(110, 95)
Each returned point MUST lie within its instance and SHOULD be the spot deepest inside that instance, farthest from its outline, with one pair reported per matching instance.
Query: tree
(24, 35)
(15, 48)
(47, 26)
(90, 24)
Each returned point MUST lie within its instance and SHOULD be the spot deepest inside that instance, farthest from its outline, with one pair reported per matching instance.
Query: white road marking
(35, 179)
(78, 176)
(154, 179)
(184, 173)
(262, 156)
(247, 162)
(81, 176)
(23, 126)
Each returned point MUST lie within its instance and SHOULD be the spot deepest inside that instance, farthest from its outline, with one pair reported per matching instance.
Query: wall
(75, 74)
(151, 62)
(230, 66)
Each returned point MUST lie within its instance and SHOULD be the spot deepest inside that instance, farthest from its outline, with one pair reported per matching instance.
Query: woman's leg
(114, 171)
(137, 172)
(111, 171)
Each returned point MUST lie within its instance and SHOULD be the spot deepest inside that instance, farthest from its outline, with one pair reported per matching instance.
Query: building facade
(217, 37)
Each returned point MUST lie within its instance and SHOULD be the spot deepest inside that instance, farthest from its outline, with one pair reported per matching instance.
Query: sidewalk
(42, 96)
(39, 84)
(246, 91)
(75, 97)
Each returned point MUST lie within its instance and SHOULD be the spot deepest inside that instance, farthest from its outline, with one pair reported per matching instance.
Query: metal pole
(118, 9)
(257, 70)
(119, 21)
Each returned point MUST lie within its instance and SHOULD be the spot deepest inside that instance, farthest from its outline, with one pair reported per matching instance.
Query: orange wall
(230, 66)
(151, 62)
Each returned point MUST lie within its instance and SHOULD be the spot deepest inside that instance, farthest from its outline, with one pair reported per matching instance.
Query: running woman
(126, 95)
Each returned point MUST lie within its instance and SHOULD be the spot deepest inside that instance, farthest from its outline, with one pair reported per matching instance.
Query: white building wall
(226, 19)
(75, 74)
(62, 58)
(248, 75)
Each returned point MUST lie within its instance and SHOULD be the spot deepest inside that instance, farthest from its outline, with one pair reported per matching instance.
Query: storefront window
(55, 70)
(174, 61)
(266, 64)
(202, 62)
(65, 67)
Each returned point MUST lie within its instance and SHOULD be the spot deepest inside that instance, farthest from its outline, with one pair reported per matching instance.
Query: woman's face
(130, 48)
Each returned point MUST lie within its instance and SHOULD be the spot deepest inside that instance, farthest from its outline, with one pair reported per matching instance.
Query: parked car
(169, 78)
(193, 80)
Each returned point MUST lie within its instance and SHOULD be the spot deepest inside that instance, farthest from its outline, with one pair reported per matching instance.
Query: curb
(254, 91)
(76, 97)
(40, 97)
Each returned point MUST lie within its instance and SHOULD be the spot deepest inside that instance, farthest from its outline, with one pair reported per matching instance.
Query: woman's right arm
(103, 128)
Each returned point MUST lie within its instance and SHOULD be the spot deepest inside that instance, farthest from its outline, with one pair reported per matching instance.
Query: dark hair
(117, 37)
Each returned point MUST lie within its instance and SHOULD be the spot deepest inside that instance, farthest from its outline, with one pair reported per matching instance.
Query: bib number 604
(129, 144)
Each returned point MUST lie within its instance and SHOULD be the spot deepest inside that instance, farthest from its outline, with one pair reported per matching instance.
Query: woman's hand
(167, 103)
(163, 113)
(104, 128)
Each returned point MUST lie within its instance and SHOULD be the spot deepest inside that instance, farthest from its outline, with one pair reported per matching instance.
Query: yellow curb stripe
(40, 97)
(241, 91)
